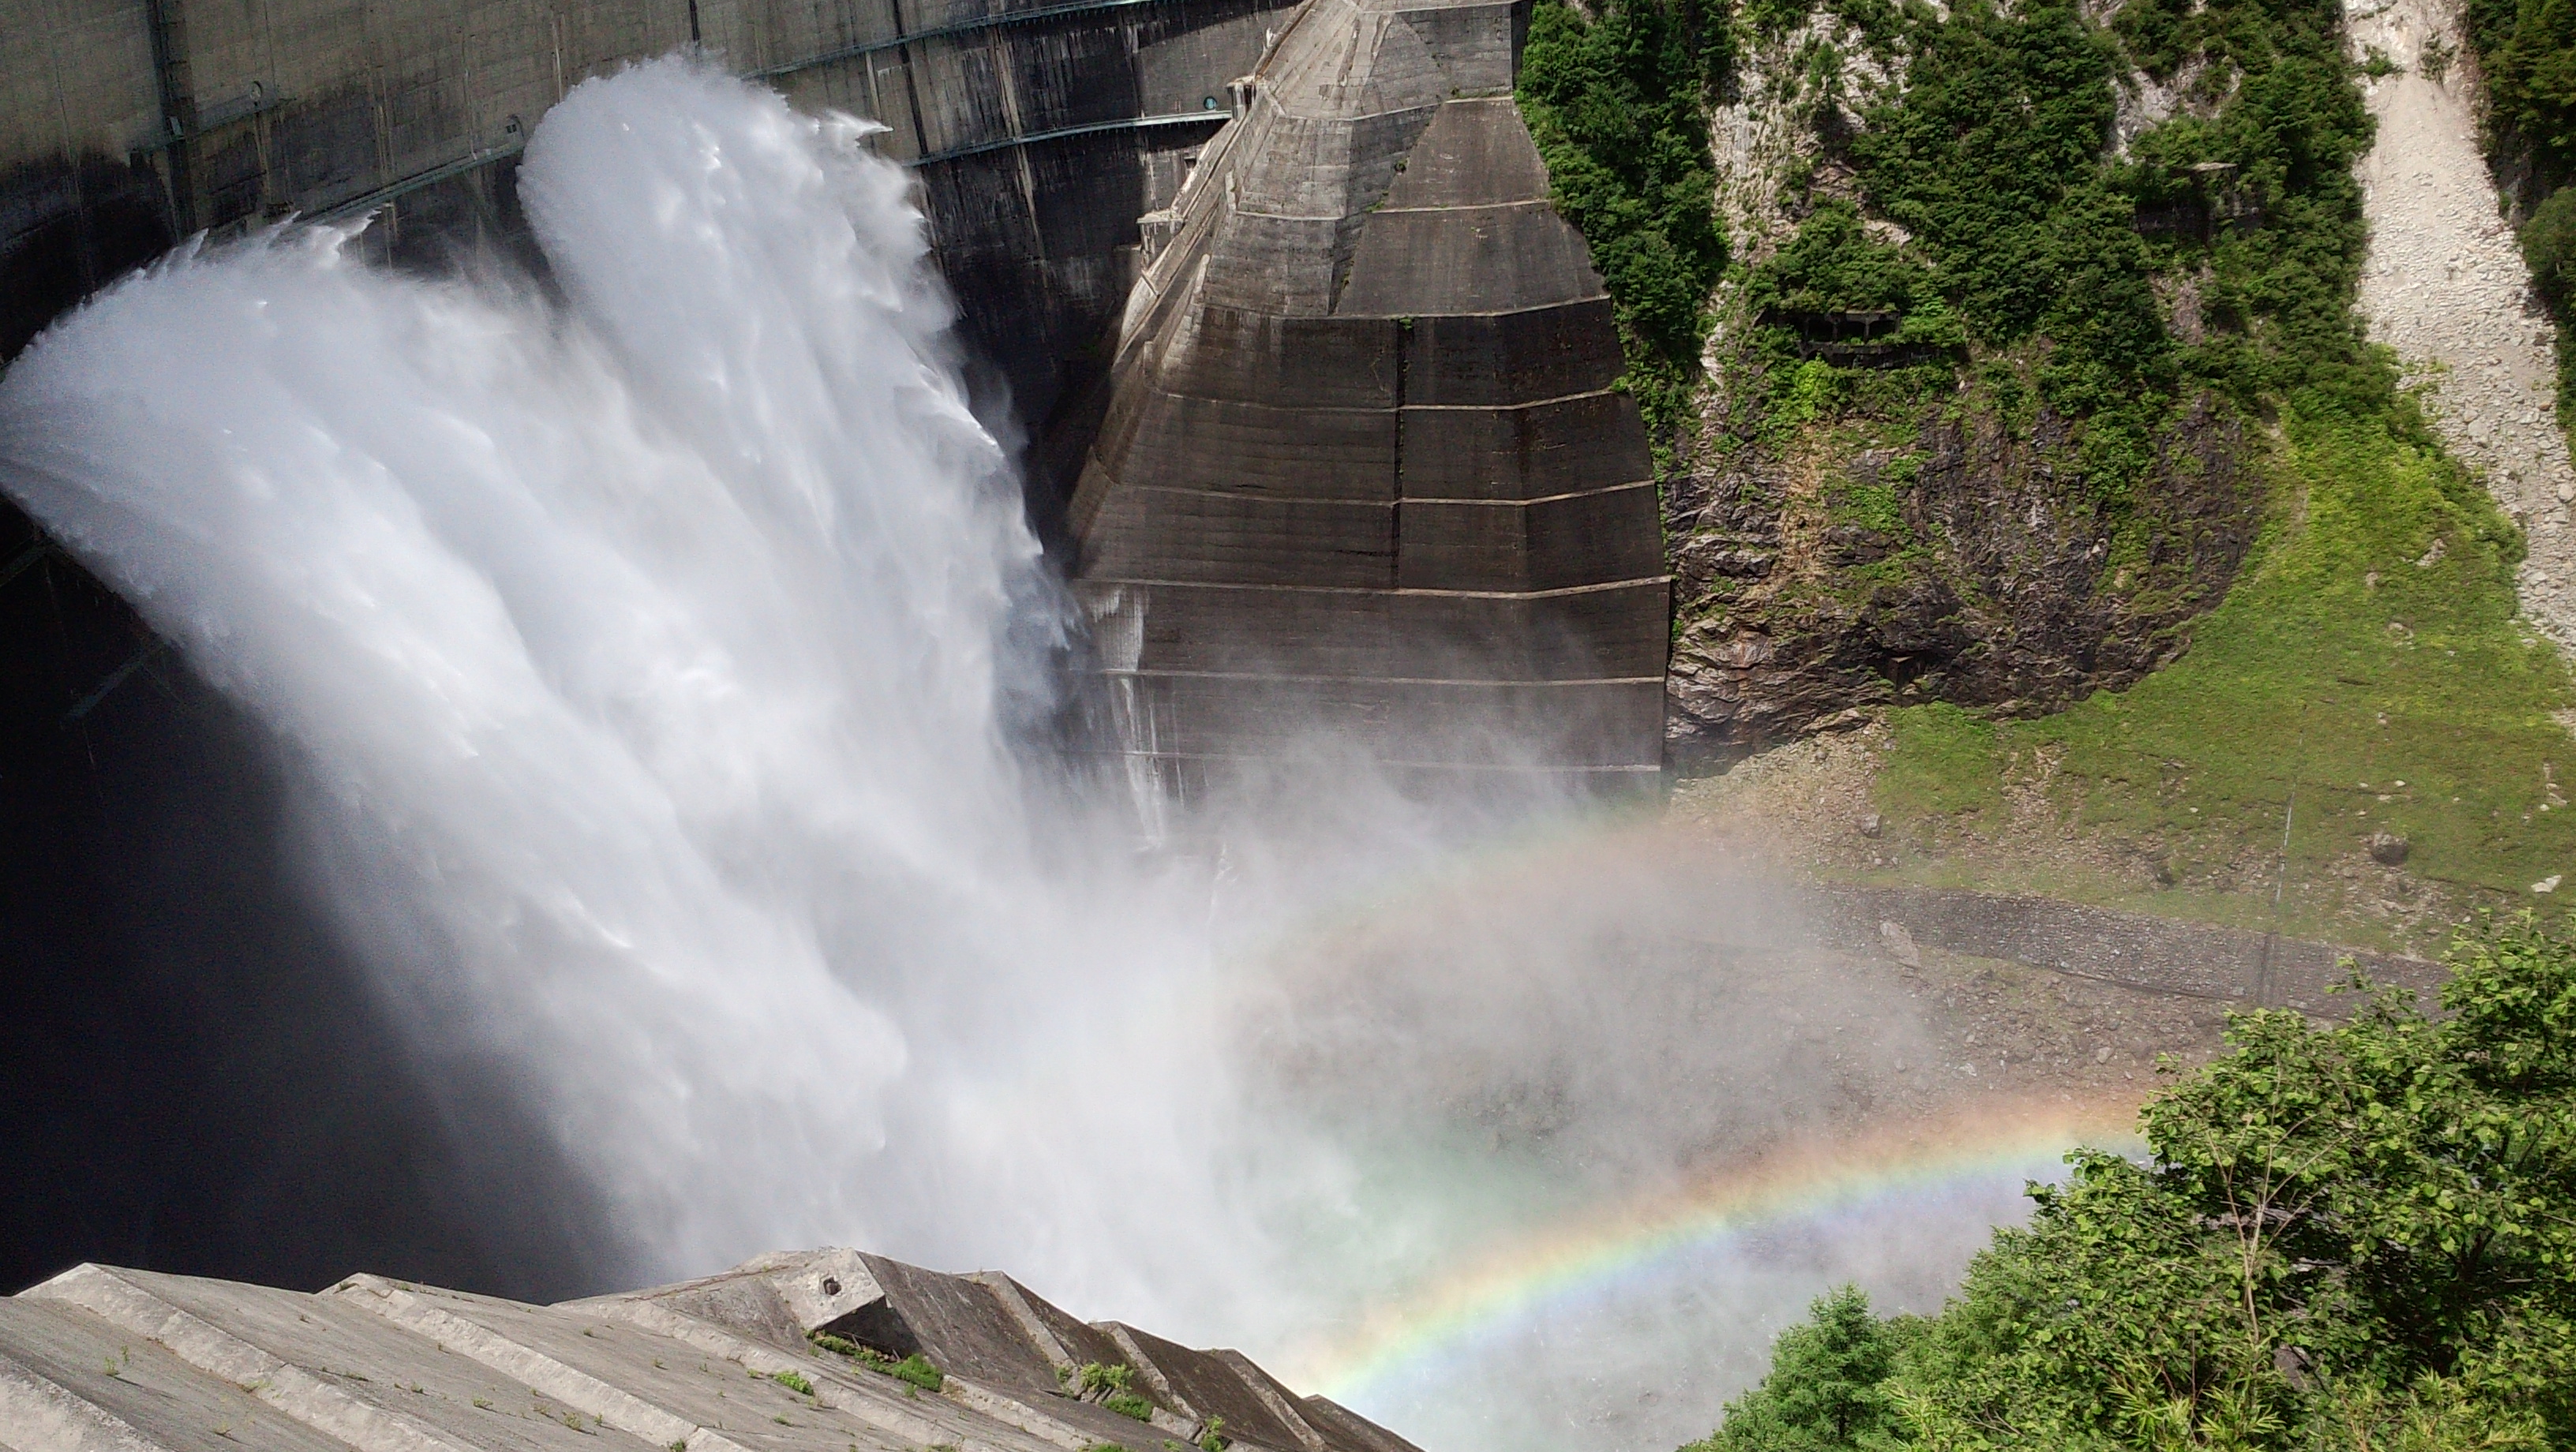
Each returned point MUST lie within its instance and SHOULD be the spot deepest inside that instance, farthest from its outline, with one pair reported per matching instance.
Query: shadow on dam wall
(194, 1074)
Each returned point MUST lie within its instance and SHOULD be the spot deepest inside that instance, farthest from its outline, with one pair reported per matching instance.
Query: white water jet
(650, 662)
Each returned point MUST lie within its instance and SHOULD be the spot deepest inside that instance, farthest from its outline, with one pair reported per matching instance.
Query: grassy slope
(2339, 664)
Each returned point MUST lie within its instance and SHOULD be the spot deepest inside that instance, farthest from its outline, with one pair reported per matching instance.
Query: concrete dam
(819, 1350)
(1317, 385)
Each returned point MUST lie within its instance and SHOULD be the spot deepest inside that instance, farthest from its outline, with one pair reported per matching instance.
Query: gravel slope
(2445, 286)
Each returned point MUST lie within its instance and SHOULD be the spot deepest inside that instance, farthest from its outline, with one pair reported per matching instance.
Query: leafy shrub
(918, 1370)
(1128, 1404)
(1615, 105)
(793, 1382)
(2531, 76)
(1094, 1377)
(2350, 1237)
(1827, 1386)
(2549, 248)
(1832, 266)
(837, 1345)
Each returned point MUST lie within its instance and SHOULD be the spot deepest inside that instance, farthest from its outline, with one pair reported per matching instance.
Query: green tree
(1827, 1387)
(1615, 105)
(2360, 1236)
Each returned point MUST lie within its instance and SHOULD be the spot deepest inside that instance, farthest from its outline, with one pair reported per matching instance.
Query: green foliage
(2351, 1237)
(917, 1369)
(2529, 50)
(793, 1382)
(837, 1345)
(2549, 249)
(1128, 1404)
(1942, 763)
(1827, 1386)
(1212, 1438)
(1832, 266)
(1094, 1377)
(2035, 264)
(2001, 118)
(1615, 105)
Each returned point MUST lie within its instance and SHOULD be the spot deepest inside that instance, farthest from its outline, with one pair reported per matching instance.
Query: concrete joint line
(1259, 1385)
(35, 1412)
(1460, 208)
(1145, 1366)
(1008, 1292)
(1628, 488)
(1017, 1414)
(769, 1361)
(531, 1368)
(289, 1388)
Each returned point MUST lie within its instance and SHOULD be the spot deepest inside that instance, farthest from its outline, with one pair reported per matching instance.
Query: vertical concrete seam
(1146, 1368)
(1258, 1383)
(1008, 1291)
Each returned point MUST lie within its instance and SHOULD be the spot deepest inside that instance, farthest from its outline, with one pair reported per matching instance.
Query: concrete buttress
(1364, 470)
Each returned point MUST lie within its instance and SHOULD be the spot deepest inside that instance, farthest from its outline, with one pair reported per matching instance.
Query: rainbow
(1528, 1277)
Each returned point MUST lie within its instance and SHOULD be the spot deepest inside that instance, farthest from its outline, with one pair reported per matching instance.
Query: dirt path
(2445, 286)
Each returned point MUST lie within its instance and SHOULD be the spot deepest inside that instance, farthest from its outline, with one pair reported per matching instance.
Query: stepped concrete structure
(1364, 475)
(106, 1360)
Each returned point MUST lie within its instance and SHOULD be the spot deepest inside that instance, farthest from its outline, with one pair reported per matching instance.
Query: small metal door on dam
(1341, 410)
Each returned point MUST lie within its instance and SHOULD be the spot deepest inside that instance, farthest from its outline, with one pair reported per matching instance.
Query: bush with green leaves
(917, 1369)
(1615, 101)
(2039, 267)
(1092, 1377)
(2345, 1237)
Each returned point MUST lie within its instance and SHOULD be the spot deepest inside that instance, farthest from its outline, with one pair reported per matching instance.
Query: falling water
(656, 661)
(652, 660)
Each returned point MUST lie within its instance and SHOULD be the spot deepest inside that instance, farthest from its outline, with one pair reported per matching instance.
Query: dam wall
(1351, 456)
(1040, 132)
(1366, 477)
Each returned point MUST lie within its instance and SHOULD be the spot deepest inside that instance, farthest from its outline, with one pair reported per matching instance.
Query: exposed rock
(2003, 589)
(2445, 286)
(1900, 944)
(2387, 849)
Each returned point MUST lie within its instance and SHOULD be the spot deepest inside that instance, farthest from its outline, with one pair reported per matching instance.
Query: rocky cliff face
(1876, 511)
(1960, 562)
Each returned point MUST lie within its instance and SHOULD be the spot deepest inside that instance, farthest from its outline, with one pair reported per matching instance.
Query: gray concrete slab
(355, 1388)
(70, 1382)
(106, 1360)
